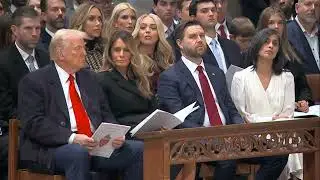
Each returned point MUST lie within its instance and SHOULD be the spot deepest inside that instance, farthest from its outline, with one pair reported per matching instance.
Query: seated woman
(123, 17)
(273, 17)
(265, 91)
(124, 79)
(88, 18)
(149, 34)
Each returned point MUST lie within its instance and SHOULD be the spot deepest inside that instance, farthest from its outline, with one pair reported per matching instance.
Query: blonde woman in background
(89, 19)
(150, 36)
(123, 17)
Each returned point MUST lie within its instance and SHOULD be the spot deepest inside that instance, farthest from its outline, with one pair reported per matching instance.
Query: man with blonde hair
(60, 106)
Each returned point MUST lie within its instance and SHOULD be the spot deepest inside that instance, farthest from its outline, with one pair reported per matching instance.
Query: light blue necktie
(216, 52)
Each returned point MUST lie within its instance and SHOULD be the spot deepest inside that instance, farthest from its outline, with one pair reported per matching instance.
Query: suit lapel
(213, 79)
(188, 78)
(225, 53)
(40, 60)
(209, 57)
(54, 82)
(125, 84)
(20, 65)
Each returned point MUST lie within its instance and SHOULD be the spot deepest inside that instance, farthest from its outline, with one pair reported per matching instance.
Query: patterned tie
(30, 61)
(82, 119)
(209, 101)
(222, 32)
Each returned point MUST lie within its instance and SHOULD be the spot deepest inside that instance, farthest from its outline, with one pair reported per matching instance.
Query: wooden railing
(185, 146)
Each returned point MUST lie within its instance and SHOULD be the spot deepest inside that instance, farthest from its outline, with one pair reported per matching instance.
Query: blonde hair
(109, 24)
(138, 67)
(80, 16)
(163, 54)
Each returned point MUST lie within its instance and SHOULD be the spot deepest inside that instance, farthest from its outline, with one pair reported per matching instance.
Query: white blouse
(259, 105)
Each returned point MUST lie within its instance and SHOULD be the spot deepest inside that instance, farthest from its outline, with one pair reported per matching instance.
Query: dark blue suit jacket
(177, 89)
(302, 47)
(45, 39)
(43, 112)
(231, 51)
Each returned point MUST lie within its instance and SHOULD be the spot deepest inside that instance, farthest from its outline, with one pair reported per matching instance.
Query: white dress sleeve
(289, 98)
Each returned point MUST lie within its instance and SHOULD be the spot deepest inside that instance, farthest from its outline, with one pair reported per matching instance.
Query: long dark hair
(261, 37)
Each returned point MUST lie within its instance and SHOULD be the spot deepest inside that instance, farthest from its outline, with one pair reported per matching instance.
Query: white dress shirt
(193, 69)
(224, 27)
(64, 79)
(49, 32)
(217, 50)
(25, 55)
(313, 41)
(257, 104)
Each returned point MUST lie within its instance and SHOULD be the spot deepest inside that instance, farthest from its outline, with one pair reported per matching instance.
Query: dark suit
(45, 39)
(231, 51)
(177, 89)
(12, 69)
(299, 42)
(46, 126)
(126, 102)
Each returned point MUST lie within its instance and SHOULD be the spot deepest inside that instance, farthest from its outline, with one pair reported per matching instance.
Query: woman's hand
(302, 106)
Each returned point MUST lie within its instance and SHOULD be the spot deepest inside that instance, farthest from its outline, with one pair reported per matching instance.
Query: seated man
(59, 108)
(191, 80)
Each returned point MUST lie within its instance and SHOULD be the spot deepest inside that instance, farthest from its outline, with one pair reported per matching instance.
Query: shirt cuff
(71, 138)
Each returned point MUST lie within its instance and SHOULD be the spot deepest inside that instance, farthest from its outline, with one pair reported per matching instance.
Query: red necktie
(209, 101)
(82, 119)
(222, 32)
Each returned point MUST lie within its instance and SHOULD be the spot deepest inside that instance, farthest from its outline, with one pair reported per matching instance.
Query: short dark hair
(261, 37)
(194, 4)
(44, 5)
(242, 26)
(180, 30)
(23, 12)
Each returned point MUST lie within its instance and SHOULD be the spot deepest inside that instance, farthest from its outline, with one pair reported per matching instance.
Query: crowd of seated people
(67, 66)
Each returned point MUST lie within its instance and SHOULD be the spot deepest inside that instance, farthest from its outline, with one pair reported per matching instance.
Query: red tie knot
(200, 68)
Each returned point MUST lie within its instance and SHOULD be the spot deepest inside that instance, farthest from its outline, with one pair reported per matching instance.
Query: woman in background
(89, 19)
(273, 17)
(124, 79)
(6, 36)
(123, 17)
(264, 92)
(150, 36)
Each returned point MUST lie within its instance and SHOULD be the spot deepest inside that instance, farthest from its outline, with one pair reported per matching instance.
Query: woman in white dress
(264, 91)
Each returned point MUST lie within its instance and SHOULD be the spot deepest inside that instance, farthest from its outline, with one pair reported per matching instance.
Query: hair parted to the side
(109, 28)
(242, 26)
(80, 16)
(23, 12)
(180, 30)
(138, 69)
(163, 54)
(252, 54)
(263, 22)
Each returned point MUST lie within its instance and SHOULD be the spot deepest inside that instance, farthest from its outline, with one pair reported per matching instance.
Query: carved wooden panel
(242, 146)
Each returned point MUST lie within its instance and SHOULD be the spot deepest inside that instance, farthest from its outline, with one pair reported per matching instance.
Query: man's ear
(154, 7)
(14, 29)
(178, 41)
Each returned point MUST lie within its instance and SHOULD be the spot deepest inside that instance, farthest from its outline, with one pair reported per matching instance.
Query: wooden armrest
(14, 126)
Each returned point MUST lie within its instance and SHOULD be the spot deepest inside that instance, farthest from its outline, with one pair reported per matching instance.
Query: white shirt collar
(49, 32)
(209, 39)
(314, 31)
(191, 65)
(63, 75)
(13, 8)
(75, 4)
(24, 55)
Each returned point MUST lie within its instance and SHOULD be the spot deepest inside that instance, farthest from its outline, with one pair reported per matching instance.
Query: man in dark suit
(54, 12)
(303, 34)
(193, 80)
(17, 61)
(60, 106)
(224, 21)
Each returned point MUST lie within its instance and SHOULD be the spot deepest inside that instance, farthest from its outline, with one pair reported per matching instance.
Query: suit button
(62, 123)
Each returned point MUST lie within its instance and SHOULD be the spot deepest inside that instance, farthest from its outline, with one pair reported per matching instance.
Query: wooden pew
(187, 146)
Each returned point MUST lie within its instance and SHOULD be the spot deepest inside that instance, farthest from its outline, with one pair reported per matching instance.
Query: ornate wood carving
(242, 145)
